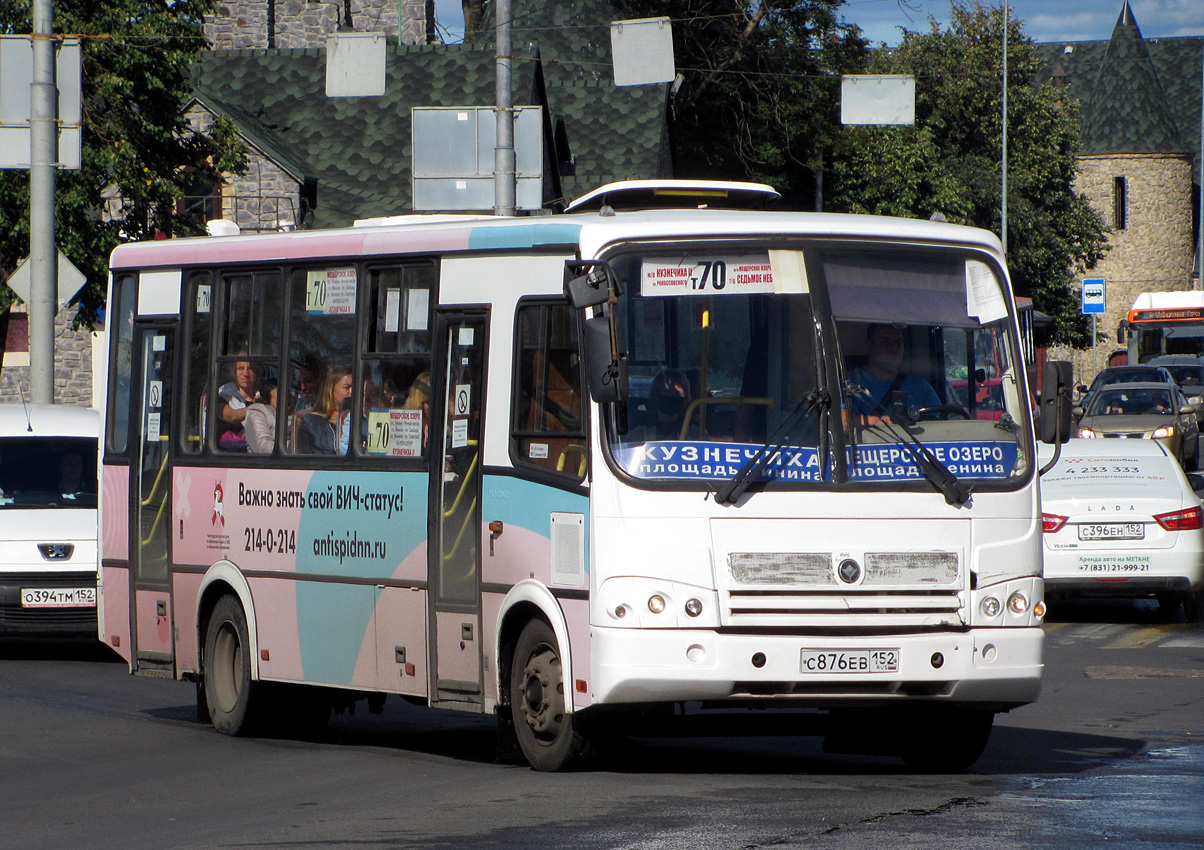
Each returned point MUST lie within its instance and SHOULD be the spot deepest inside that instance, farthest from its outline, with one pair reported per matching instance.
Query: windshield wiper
(735, 487)
(955, 492)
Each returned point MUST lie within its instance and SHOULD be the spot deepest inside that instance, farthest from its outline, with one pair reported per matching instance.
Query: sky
(1044, 20)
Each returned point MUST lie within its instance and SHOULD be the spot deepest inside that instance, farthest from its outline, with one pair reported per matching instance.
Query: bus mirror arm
(589, 283)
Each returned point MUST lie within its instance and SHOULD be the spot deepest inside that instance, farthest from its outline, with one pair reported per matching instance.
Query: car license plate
(58, 597)
(849, 661)
(1112, 531)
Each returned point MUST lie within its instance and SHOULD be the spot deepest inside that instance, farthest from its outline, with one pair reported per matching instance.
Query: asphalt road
(1113, 752)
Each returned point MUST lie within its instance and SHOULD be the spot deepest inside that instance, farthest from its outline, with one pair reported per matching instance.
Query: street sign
(70, 280)
(1093, 295)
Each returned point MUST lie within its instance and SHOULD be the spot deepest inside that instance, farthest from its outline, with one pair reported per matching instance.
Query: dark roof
(1137, 95)
(357, 148)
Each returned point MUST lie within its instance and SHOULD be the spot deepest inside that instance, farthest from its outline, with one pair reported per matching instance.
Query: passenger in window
(233, 399)
(880, 377)
(419, 398)
(308, 371)
(260, 422)
(323, 430)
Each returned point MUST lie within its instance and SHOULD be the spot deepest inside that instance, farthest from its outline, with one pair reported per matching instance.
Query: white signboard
(878, 99)
(707, 276)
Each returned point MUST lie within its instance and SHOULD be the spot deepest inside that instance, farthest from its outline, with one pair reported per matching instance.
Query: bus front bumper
(998, 669)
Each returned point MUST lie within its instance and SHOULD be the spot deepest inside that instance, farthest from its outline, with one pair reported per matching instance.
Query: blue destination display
(699, 460)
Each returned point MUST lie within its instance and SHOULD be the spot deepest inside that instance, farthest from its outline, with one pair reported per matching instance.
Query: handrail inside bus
(158, 477)
(734, 400)
(570, 448)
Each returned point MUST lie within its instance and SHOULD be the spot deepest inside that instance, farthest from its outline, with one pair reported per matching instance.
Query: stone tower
(249, 24)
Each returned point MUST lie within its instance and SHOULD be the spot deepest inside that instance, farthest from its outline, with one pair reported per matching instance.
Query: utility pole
(43, 258)
(1003, 192)
(503, 153)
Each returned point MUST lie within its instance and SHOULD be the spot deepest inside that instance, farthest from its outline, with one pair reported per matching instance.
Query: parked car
(48, 554)
(1144, 411)
(1122, 519)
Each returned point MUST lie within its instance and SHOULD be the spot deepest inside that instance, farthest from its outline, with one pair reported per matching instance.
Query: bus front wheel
(227, 668)
(547, 734)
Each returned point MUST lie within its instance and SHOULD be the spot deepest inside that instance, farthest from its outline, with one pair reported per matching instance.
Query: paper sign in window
(330, 292)
(392, 310)
(418, 308)
(984, 301)
(395, 433)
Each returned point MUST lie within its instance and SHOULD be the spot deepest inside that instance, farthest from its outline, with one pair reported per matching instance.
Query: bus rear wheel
(227, 668)
(547, 734)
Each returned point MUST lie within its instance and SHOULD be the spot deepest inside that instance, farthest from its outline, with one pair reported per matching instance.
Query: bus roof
(48, 420)
(1167, 307)
(578, 233)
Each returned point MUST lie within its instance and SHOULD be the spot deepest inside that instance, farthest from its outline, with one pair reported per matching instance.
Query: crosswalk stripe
(1144, 637)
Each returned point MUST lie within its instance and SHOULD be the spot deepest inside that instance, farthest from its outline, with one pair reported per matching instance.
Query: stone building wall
(266, 197)
(72, 366)
(244, 24)
(1154, 251)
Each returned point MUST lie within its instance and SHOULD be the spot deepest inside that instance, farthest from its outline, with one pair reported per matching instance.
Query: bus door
(150, 497)
(455, 567)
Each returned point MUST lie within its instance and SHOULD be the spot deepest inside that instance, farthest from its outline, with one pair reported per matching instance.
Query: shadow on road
(22, 648)
(472, 738)
(1140, 612)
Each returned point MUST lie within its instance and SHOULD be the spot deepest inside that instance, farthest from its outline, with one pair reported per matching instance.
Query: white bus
(48, 499)
(576, 470)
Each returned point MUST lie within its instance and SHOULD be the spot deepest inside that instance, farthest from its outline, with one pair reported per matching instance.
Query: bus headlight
(990, 606)
(656, 603)
(693, 607)
(1017, 603)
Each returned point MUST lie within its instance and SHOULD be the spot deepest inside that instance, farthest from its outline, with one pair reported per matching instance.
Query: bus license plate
(58, 597)
(850, 661)
(1112, 531)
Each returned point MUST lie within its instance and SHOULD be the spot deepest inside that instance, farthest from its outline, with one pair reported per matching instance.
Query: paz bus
(583, 471)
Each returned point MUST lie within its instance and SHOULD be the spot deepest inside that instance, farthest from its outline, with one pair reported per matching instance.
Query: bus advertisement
(577, 470)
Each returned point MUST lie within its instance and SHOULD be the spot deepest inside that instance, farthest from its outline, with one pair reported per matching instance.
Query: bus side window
(198, 359)
(548, 426)
(316, 417)
(397, 362)
(248, 353)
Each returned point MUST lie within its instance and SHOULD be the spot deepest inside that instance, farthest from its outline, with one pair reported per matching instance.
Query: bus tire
(227, 666)
(548, 736)
(946, 742)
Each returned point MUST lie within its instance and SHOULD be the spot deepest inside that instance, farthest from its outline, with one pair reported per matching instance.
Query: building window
(1120, 203)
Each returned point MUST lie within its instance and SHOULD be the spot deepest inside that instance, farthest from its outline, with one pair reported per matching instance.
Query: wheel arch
(220, 579)
(527, 600)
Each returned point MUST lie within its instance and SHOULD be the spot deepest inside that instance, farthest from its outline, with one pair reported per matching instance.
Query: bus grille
(805, 590)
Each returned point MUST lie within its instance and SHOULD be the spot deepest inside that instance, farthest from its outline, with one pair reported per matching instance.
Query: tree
(759, 98)
(136, 143)
(949, 161)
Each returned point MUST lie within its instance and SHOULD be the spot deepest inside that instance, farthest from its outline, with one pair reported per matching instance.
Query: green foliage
(949, 161)
(760, 94)
(137, 145)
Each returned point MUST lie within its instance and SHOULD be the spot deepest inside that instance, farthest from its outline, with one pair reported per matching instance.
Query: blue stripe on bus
(526, 504)
(522, 236)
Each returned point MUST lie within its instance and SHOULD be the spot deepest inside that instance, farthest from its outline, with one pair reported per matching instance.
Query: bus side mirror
(605, 360)
(1055, 401)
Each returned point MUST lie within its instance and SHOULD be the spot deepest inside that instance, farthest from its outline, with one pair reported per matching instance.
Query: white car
(48, 554)
(1121, 519)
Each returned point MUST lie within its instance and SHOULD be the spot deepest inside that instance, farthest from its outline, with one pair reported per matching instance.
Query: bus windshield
(859, 352)
(47, 472)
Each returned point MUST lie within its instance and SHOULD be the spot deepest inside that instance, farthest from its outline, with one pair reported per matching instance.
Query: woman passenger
(323, 430)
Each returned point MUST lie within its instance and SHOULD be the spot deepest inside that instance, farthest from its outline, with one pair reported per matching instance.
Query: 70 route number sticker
(707, 276)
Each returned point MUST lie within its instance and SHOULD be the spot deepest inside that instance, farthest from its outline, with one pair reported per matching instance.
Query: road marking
(1189, 642)
(1144, 637)
(1141, 673)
